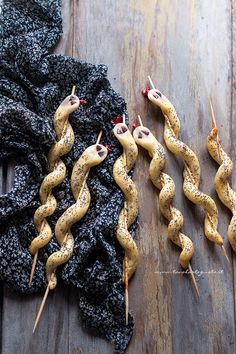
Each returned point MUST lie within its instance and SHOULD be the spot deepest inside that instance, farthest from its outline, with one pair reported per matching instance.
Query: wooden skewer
(151, 82)
(185, 164)
(193, 279)
(218, 144)
(47, 289)
(99, 137)
(189, 266)
(188, 170)
(123, 119)
(35, 258)
(74, 26)
(222, 247)
(73, 90)
(218, 140)
(41, 308)
(126, 284)
(33, 268)
(214, 122)
(140, 120)
(214, 125)
(126, 277)
(225, 253)
(36, 254)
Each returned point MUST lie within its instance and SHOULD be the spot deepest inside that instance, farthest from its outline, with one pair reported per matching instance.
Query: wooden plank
(80, 341)
(3, 176)
(1, 286)
(150, 293)
(233, 122)
(189, 60)
(186, 74)
(3, 189)
(19, 312)
(64, 46)
(160, 43)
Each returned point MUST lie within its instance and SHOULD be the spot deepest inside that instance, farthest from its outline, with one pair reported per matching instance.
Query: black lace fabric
(33, 83)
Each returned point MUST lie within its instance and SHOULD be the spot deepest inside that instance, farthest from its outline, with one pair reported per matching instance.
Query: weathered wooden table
(189, 49)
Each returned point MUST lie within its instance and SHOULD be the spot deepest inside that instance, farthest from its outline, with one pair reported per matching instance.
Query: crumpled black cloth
(33, 82)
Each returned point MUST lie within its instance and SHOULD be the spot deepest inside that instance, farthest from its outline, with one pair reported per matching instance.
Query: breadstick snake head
(143, 137)
(159, 100)
(70, 104)
(96, 154)
(122, 132)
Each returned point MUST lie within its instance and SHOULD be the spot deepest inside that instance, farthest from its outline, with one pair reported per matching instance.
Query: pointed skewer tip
(126, 284)
(225, 253)
(140, 120)
(194, 280)
(214, 124)
(213, 118)
(151, 82)
(99, 137)
(41, 308)
(33, 268)
(125, 264)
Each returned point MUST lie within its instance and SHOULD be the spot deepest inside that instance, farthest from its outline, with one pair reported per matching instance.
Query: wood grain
(19, 312)
(1, 178)
(232, 121)
(64, 46)
(1, 286)
(189, 49)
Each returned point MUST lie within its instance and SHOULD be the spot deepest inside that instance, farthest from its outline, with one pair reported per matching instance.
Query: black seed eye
(124, 129)
(157, 94)
(119, 131)
(98, 148)
(145, 132)
(101, 153)
(73, 100)
(140, 135)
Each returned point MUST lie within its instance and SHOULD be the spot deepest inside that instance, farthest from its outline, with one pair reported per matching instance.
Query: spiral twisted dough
(223, 189)
(191, 172)
(92, 156)
(57, 168)
(166, 185)
(129, 212)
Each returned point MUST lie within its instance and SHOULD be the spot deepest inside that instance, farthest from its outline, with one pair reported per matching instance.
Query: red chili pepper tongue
(83, 102)
(134, 125)
(145, 91)
(117, 120)
(107, 147)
